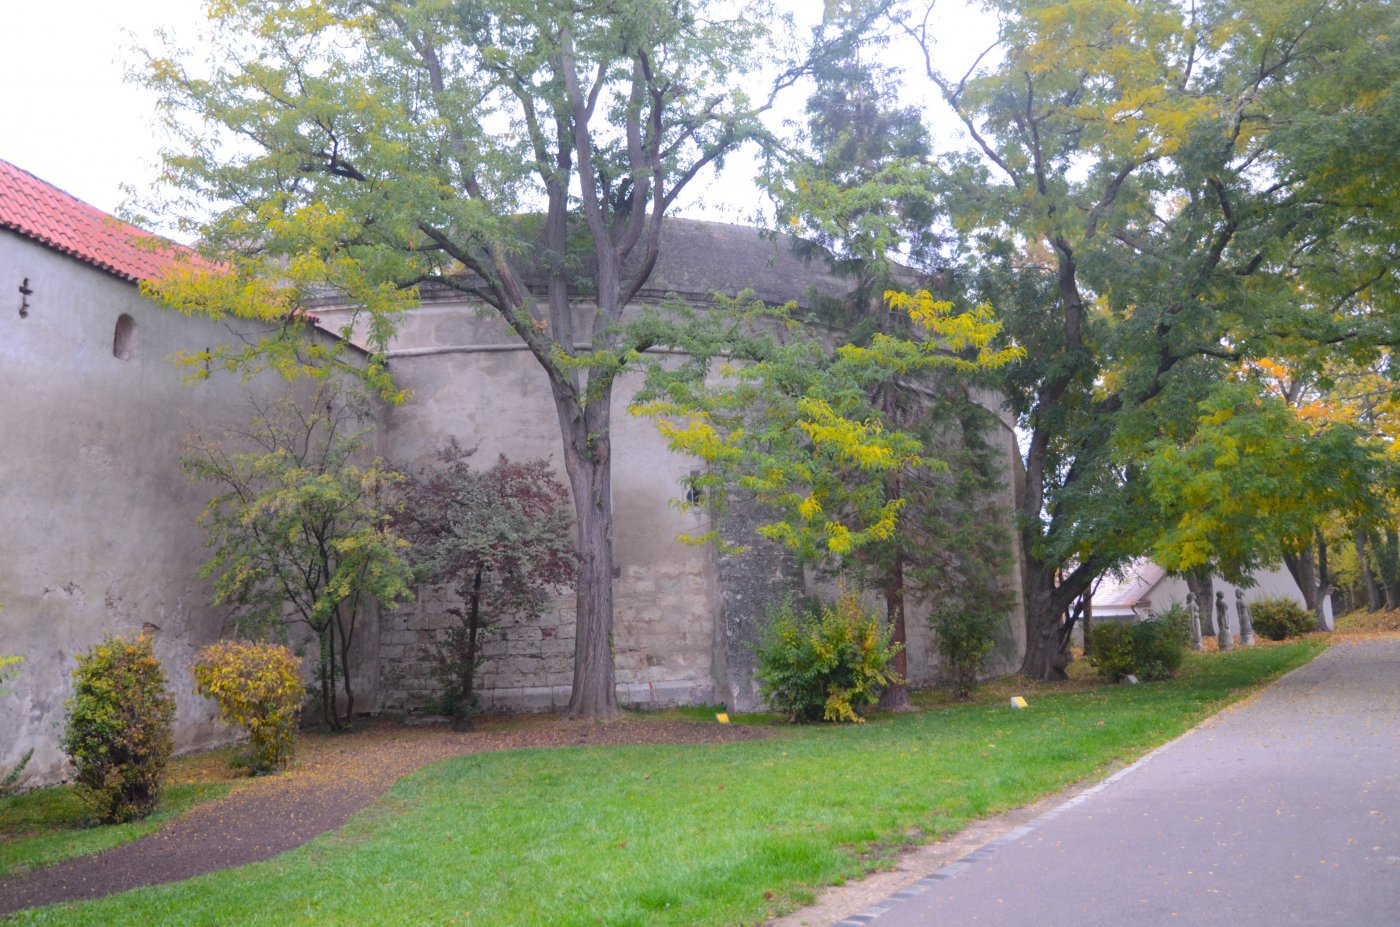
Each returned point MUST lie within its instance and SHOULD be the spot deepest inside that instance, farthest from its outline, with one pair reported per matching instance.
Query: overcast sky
(68, 116)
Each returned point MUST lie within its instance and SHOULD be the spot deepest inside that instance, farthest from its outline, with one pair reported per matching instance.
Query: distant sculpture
(1246, 619)
(1207, 612)
(1196, 644)
(1222, 617)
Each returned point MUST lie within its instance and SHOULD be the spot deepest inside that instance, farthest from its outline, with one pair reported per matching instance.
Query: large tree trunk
(1300, 566)
(1042, 624)
(1324, 584)
(588, 462)
(1388, 564)
(1088, 622)
(1374, 602)
(1047, 631)
(896, 697)
(462, 714)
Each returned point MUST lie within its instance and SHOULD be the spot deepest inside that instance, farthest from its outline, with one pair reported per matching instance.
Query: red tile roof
(41, 211)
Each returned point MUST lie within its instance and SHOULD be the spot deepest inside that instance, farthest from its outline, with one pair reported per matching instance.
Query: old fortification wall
(98, 521)
(686, 617)
(472, 381)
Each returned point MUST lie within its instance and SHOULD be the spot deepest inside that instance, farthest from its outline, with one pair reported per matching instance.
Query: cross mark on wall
(24, 293)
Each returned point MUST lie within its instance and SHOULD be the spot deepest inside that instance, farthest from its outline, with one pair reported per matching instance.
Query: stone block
(540, 698)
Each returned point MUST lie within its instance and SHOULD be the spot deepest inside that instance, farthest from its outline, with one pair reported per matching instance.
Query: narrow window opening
(694, 495)
(124, 340)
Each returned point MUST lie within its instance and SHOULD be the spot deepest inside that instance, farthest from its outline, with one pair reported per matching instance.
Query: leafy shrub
(965, 637)
(1151, 649)
(10, 779)
(1280, 618)
(1111, 649)
(825, 663)
(118, 733)
(503, 538)
(1178, 621)
(258, 687)
(1159, 644)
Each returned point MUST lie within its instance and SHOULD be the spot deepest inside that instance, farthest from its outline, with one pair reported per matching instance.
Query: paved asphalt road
(1284, 810)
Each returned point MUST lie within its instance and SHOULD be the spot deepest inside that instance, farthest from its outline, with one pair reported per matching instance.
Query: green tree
(1252, 484)
(862, 189)
(1137, 200)
(822, 439)
(369, 149)
(790, 424)
(502, 537)
(300, 529)
(856, 182)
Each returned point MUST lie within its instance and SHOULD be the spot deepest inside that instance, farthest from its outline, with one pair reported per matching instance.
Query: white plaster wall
(1275, 582)
(97, 521)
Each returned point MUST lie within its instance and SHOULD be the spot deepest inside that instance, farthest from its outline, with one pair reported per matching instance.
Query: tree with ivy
(301, 528)
(786, 423)
(858, 184)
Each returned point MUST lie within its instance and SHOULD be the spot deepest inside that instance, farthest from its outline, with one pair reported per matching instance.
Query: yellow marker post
(722, 718)
(1018, 702)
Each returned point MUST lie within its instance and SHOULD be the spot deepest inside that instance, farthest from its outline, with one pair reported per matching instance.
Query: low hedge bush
(965, 637)
(118, 733)
(257, 687)
(1150, 650)
(1279, 618)
(825, 663)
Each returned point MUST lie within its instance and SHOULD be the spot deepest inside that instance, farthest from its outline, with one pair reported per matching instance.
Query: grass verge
(693, 835)
(47, 826)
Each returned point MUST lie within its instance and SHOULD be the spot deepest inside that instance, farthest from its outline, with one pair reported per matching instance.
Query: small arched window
(124, 339)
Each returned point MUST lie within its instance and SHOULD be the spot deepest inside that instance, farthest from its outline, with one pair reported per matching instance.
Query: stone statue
(1246, 619)
(1195, 611)
(1222, 617)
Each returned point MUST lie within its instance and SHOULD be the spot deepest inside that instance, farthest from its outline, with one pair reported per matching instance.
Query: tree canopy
(1151, 193)
(521, 153)
(299, 528)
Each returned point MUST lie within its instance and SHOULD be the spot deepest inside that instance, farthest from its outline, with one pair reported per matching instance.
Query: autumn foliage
(828, 663)
(118, 734)
(257, 686)
(502, 539)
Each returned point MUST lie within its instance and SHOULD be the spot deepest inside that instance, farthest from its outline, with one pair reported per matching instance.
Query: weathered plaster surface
(98, 533)
(97, 521)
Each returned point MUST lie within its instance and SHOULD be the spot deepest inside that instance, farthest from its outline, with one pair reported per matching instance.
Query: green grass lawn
(695, 835)
(47, 826)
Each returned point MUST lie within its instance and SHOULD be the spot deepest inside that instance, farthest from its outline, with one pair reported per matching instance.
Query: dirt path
(332, 778)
